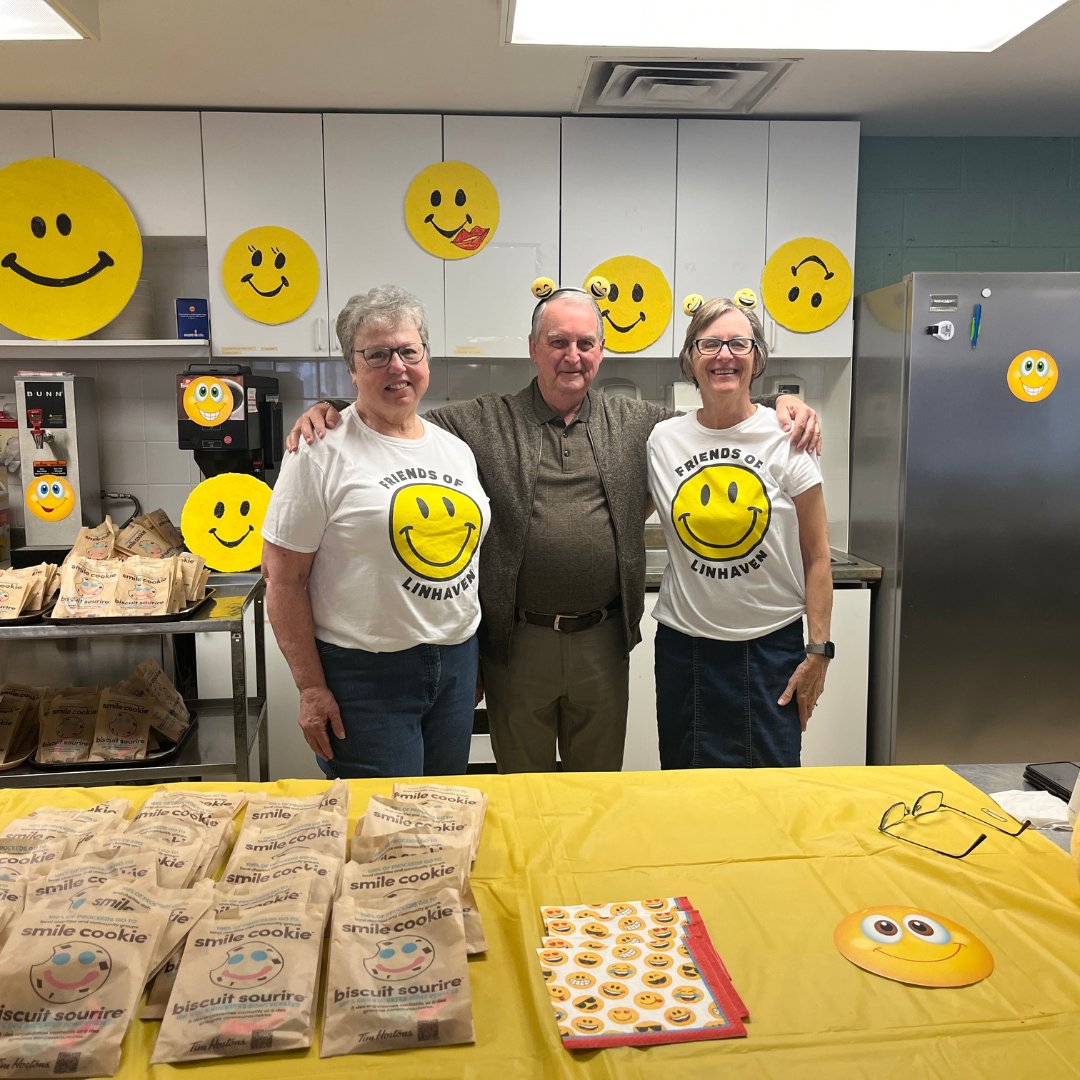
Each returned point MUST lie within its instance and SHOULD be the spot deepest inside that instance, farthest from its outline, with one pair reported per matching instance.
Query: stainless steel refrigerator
(965, 487)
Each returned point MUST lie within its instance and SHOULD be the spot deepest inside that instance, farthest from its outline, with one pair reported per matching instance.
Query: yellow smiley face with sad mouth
(721, 512)
(434, 529)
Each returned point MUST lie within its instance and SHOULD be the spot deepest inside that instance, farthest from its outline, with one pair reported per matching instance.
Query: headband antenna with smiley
(745, 298)
(544, 288)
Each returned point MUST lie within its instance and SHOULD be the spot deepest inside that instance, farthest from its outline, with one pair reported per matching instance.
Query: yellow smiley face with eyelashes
(222, 521)
(637, 308)
(70, 250)
(270, 274)
(434, 529)
(452, 210)
(208, 401)
(721, 512)
(50, 497)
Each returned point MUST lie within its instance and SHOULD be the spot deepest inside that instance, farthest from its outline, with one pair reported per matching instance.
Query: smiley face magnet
(451, 210)
(806, 284)
(222, 521)
(270, 274)
(912, 946)
(1032, 376)
(70, 250)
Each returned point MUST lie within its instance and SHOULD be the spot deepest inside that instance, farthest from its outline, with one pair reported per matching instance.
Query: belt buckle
(555, 624)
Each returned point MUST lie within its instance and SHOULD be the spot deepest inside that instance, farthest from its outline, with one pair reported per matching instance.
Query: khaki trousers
(565, 690)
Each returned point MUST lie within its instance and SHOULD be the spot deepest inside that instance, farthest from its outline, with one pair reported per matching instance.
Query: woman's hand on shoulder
(805, 685)
(798, 418)
(321, 417)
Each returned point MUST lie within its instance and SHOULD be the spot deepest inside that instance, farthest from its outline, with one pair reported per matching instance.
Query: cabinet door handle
(318, 333)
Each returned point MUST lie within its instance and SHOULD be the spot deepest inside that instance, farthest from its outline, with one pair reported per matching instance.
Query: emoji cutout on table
(912, 946)
(222, 519)
(73, 971)
(1032, 376)
(637, 307)
(270, 274)
(50, 497)
(210, 401)
(806, 284)
(70, 250)
(434, 529)
(451, 210)
(721, 512)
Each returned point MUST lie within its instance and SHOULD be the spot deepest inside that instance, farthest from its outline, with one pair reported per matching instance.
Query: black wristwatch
(821, 648)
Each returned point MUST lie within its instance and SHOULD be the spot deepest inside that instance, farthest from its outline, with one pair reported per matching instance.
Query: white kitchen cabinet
(488, 302)
(813, 192)
(25, 133)
(720, 212)
(264, 169)
(154, 159)
(836, 734)
(618, 198)
(370, 160)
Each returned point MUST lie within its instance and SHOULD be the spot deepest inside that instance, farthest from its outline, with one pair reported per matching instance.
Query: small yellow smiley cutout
(452, 210)
(208, 401)
(913, 946)
(1032, 376)
(434, 529)
(721, 512)
(270, 274)
(222, 521)
(806, 284)
(70, 250)
(637, 308)
(50, 497)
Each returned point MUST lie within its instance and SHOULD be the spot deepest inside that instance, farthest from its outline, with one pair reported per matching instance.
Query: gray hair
(386, 305)
(577, 296)
(709, 312)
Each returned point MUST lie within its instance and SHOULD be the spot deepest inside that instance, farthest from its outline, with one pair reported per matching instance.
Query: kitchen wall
(966, 204)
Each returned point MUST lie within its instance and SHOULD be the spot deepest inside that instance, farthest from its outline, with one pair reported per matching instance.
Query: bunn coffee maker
(58, 454)
(230, 418)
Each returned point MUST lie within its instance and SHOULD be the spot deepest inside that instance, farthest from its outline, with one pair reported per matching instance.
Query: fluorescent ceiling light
(795, 25)
(43, 20)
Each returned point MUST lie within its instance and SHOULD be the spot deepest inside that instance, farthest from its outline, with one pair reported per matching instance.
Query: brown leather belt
(570, 624)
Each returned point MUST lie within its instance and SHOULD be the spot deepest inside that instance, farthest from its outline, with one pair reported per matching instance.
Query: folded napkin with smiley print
(634, 973)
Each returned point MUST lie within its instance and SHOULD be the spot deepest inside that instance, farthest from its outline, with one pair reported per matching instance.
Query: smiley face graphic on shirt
(721, 512)
(434, 529)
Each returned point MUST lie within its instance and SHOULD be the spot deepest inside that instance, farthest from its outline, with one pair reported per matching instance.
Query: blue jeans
(406, 713)
(716, 700)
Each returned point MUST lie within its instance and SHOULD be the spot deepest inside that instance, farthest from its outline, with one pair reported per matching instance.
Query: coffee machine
(230, 418)
(58, 454)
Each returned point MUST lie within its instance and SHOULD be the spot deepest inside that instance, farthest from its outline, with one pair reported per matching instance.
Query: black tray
(153, 757)
(134, 620)
(29, 616)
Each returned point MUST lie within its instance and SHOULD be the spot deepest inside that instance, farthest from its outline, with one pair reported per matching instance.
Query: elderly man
(562, 571)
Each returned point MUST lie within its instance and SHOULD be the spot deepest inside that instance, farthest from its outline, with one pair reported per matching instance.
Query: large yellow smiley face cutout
(721, 512)
(637, 308)
(913, 946)
(270, 274)
(70, 250)
(222, 521)
(451, 210)
(806, 284)
(434, 530)
(1032, 376)
(50, 497)
(208, 401)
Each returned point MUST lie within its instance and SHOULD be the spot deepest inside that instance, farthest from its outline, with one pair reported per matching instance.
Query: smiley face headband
(745, 300)
(545, 290)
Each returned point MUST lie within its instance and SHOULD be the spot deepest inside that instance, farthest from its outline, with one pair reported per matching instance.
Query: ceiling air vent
(676, 87)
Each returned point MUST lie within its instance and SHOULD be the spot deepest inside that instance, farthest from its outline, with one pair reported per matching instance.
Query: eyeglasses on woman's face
(378, 356)
(711, 346)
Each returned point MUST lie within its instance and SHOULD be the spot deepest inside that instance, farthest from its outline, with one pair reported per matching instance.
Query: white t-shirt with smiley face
(725, 501)
(396, 526)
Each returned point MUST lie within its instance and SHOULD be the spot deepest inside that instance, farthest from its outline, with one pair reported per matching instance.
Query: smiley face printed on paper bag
(909, 945)
(74, 971)
(247, 965)
(401, 958)
(70, 250)
(222, 519)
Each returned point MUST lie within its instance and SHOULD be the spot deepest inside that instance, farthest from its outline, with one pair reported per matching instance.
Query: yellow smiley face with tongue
(451, 210)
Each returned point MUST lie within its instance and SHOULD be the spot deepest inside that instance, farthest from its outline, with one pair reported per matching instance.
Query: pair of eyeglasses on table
(932, 801)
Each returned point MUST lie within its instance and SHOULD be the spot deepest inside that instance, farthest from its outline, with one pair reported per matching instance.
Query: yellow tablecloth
(773, 859)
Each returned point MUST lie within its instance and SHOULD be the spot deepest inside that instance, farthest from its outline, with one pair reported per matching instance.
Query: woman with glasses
(746, 532)
(370, 560)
